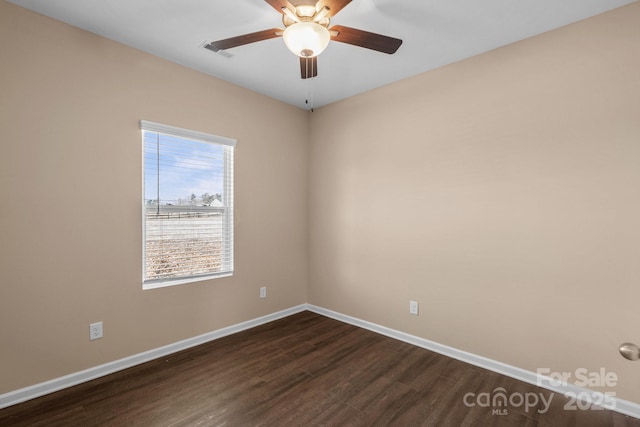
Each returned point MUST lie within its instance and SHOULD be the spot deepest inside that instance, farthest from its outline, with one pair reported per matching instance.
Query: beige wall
(501, 193)
(70, 188)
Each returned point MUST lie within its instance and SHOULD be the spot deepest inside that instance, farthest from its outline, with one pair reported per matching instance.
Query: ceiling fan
(307, 32)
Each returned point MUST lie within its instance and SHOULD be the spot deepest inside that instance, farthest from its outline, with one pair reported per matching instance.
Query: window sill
(175, 282)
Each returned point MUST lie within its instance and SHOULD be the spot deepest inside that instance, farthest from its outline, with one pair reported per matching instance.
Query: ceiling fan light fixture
(306, 39)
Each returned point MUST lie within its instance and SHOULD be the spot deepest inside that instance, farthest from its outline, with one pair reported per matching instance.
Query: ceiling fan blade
(334, 6)
(244, 39)
(279, 4)
(365, 39)
(308, 67)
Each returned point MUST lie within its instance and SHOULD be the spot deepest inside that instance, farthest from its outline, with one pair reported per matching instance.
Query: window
(187, 205)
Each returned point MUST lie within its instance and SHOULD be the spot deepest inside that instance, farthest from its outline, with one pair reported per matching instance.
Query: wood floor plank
(303, 370)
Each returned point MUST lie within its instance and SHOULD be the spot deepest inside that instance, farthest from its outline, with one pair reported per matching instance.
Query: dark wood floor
(304, 370)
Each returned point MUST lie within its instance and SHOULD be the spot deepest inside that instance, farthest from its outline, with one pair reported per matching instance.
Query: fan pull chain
(309, 72)
(306, 71)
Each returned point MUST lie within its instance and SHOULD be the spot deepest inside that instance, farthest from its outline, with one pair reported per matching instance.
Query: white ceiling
(435, 33)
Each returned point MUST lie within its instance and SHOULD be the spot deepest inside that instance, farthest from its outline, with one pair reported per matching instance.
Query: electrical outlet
(263, 292)
(95, 331)
(413, 307)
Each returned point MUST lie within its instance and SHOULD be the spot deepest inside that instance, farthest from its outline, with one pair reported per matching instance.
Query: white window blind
(187, 205)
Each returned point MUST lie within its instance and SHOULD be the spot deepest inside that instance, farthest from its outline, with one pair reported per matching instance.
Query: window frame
(228, 178)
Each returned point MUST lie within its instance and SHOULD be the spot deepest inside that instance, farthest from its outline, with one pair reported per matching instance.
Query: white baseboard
(11, 398)
(37, 390)
(625, 407)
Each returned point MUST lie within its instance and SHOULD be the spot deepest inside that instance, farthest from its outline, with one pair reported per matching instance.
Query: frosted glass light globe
(306, 39)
